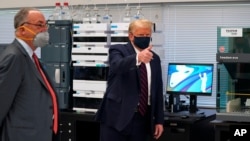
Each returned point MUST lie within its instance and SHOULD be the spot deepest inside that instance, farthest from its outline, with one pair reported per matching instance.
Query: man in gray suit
(26, 110)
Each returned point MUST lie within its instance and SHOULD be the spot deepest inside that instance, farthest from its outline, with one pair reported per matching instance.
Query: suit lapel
(131, 49)
(29, 61)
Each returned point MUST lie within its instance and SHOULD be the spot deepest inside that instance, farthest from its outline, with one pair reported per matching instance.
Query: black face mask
(142, 42)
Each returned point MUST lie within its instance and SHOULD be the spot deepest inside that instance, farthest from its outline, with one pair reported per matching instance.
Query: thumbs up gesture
(145, 55)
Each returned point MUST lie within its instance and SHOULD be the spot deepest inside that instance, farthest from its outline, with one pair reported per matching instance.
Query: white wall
(43, 3)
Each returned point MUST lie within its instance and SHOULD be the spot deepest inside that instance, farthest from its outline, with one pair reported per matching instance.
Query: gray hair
(21, 16)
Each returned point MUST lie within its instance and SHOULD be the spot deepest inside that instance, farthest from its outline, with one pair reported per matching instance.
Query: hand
(158, 131)
(145, 55)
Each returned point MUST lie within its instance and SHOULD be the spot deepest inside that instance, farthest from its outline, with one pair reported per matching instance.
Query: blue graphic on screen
(190, 78)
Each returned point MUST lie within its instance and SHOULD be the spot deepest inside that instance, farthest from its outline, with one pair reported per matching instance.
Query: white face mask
(41, 39)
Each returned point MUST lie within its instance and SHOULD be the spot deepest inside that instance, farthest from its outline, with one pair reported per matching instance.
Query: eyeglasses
(38, 25)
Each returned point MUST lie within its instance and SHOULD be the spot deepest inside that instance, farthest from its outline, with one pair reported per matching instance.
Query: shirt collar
(26, 47)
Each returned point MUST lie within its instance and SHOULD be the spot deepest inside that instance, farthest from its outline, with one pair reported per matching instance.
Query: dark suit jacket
(122, 94)
(25, 103)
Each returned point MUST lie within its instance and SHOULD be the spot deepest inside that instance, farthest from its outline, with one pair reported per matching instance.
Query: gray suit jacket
(25, 103)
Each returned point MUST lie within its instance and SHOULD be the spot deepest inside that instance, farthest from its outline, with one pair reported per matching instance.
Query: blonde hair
(140, 23)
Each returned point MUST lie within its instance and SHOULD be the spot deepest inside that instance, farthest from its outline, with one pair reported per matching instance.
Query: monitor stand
(192, 112)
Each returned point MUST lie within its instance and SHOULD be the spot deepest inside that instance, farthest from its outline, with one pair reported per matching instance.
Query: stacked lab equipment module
(119, 33)
(56, 57)
(90, 65)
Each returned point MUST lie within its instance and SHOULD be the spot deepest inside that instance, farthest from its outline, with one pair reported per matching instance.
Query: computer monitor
(194, 79)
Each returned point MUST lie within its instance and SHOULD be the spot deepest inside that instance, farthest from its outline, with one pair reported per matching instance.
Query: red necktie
(51, 91)
(143, 101)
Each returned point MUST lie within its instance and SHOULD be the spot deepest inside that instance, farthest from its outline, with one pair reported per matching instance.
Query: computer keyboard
(238, 116)
(185, 113)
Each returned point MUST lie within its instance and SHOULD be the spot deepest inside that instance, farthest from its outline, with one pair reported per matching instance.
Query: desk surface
(190, 117)
(85, 116)
(227, 123)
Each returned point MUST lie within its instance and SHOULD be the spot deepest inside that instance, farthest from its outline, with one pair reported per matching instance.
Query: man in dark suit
(119, 114)
(26, 110)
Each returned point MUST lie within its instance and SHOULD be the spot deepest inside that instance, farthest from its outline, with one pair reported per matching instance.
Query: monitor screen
(190, 78)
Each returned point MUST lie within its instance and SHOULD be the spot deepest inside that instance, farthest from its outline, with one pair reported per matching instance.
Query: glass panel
(233, 57)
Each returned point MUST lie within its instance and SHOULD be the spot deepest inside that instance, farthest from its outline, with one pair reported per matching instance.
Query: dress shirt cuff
(137, 61)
